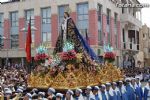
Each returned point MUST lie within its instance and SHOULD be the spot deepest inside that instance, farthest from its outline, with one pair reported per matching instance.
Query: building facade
(146, 44)
(131, 24)
(101, 19)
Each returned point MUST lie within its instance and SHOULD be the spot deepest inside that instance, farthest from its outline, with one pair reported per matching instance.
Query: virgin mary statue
(69, 32)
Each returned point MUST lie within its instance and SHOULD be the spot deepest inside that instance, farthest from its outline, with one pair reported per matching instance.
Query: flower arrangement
(109, 56)
(40, 57)
(69, 56)
(41, 54)
(55, 60)
(68, 46)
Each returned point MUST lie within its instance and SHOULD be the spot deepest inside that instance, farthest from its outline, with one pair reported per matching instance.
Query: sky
(145, 12)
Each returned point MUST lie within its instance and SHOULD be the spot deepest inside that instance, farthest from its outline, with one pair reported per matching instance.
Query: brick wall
(93, 27)
(73, 15)
(38, 31)
(119, 34)
(54, 29)
(22, 36)
(7, 33)
(112, 32)
(104, 23)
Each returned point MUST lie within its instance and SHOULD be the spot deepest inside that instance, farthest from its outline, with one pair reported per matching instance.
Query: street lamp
(25, 30)
(32, 29)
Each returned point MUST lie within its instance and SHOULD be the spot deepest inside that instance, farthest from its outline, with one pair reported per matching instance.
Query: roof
(10, 1)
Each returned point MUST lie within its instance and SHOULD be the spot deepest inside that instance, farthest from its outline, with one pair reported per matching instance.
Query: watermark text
(121, 5)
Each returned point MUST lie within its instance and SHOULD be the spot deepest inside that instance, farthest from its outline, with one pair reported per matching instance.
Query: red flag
(28, 42)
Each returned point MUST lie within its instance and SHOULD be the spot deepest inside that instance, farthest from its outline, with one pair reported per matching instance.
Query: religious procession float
(73, 63)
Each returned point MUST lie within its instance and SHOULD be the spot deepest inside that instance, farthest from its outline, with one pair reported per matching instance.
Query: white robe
(80, 97)
(71, 98)
(148, 88)
(91, 96)
(123, 89)
(100, 95)
(64, 27)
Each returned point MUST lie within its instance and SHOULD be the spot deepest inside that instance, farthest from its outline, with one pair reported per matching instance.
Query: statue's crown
(68, 10)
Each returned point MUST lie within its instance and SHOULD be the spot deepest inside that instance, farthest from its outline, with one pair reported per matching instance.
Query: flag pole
(28, 47)
(30, 63)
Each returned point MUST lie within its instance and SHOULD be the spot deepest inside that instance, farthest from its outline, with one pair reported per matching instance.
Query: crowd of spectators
(143, 73)
(12, 78)
(13, 86)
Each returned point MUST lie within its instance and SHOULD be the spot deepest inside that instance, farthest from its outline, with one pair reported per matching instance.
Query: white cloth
(117, 90)
(133, 87)
(100, 95)
(81, 97)
(149, 93)
(64, 27)
(148, 88)
(138, 85)
(111, 92)
(123, 89)
(91, 96)
(70, 98)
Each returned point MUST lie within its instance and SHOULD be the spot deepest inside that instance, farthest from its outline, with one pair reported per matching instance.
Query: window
(46, 24)
(123, 34)
(108, 16)
(15, 41)
(29, 14)
(46, 36)
(83, 18)
(115, 18)
(130, 39)
(33, 37)
(99, 13)
(1, 41)
(117, 60)
(115, 29)
(1, 20)
(14, 19)
(46, 16)
(130, 10)
(61, 13)
(137, 36)
(148, 50)
(143, 35)
(108, 25)
(122, 10)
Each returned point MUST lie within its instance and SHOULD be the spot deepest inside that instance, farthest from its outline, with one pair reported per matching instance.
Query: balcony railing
(130, 46)
(131, 19)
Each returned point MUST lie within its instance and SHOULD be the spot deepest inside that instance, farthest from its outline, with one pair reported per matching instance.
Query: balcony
(130, 46)
(131, 19)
